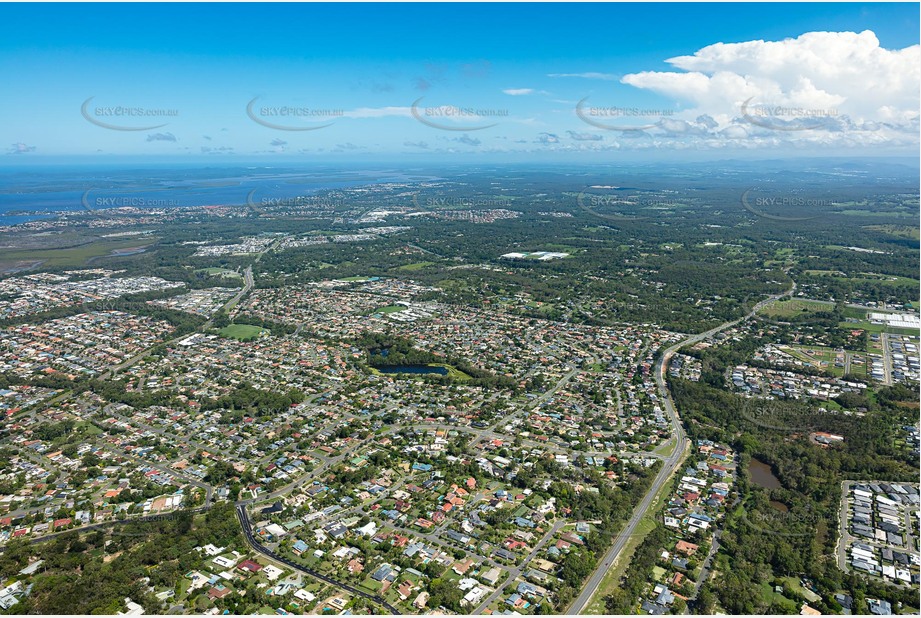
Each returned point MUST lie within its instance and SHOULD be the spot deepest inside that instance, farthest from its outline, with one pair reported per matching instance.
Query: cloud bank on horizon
(829, 88)
(822, 92)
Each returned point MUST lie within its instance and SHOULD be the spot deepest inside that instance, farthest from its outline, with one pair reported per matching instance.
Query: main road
(247, 286)
(248, 283)
(670, 465)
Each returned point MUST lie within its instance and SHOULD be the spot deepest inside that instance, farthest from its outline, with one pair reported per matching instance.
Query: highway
(887, 359)
(670, 465)
(248, 283)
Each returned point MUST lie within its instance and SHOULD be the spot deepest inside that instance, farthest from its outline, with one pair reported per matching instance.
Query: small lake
(762, 476)
(128, 251)
(779, 506)
(416, 369)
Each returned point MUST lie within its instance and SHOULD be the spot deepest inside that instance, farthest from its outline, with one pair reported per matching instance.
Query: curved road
(248, 533)
(670, 464)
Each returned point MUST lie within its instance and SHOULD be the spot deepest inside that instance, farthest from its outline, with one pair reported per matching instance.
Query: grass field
(769, 596)
(854, 312)
(611, 579)
(899, 231)
(875, 278)
(794, 585)
(868, 213)
(370, 585)
(87, 428)
(415, 266)
(870, 327)
(220, 272)
(242, 332)
(666, 448)
(75, 256)
(389, 309)
(542, 308)
(889, 280)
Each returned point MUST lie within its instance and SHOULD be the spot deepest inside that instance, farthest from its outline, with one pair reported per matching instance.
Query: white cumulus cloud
(827, 82)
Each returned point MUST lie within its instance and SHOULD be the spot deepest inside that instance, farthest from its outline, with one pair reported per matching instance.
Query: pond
(416, 369)
(128, 251)
(762, 476)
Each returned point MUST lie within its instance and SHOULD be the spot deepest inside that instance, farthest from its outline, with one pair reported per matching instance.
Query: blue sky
(458, 81)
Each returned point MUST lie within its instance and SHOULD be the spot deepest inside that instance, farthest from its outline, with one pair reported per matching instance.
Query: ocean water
(30, 194)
